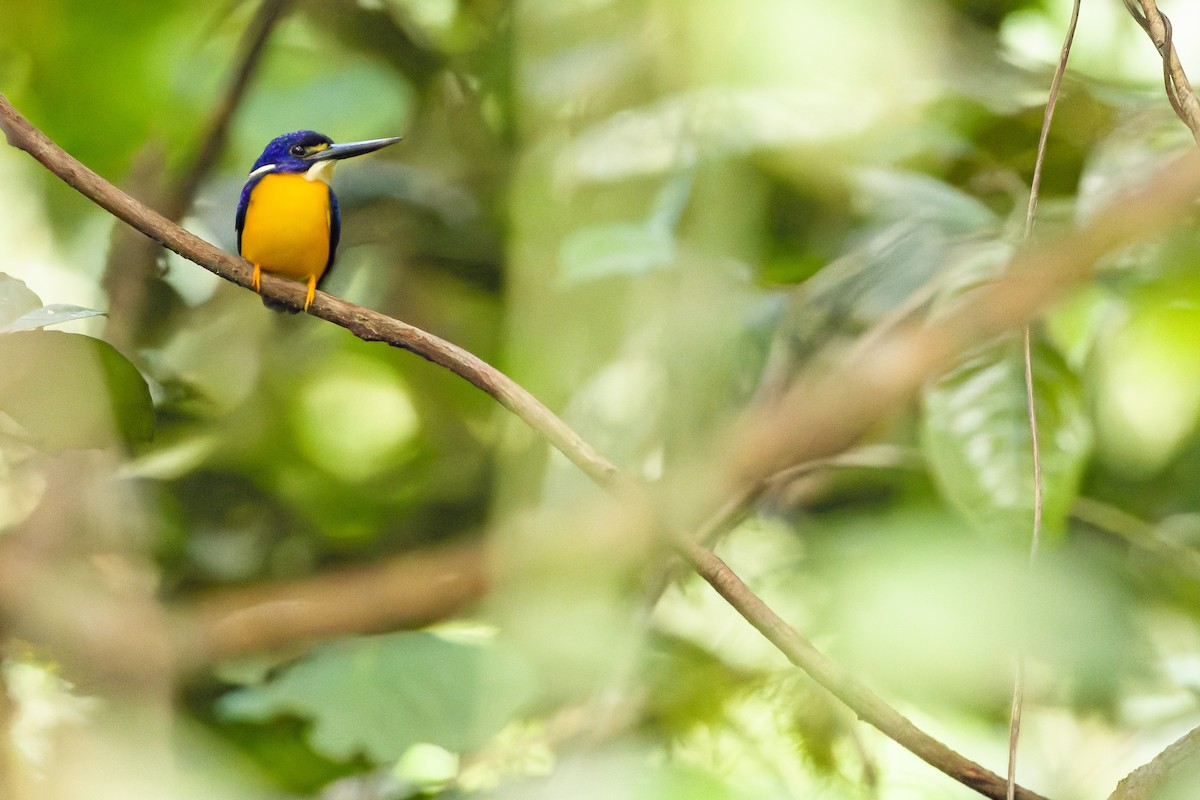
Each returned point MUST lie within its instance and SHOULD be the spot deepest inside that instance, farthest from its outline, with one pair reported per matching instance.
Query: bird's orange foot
(312, 288)
(256, 281)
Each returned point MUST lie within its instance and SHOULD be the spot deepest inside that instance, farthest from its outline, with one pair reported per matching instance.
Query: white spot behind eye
(321, 171)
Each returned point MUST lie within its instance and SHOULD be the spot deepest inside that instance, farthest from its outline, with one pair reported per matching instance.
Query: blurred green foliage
(453, 694)
(652, 214)
(65, 390)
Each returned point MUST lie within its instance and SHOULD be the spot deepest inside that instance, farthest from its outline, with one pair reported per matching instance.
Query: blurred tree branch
(375, 30)
(253, 44)
(74, 580)
(130, 266)
(816, 418)
(403, 592)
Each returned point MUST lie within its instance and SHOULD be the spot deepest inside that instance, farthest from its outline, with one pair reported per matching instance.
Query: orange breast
(287, 226)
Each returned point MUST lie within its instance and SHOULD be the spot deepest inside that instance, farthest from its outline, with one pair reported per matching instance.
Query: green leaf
(54, 314)
(72, 391)
(892, 196)
(16, 299)
(922, 237)
(380, 695)
(975, 436)
(627, 248)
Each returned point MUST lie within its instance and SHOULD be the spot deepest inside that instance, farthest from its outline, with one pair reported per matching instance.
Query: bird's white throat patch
(321, 171)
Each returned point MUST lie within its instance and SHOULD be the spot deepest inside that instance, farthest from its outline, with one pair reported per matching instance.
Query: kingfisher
(288, 222)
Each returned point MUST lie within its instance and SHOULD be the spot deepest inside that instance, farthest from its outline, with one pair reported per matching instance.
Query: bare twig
(1018, 693)
(1035, 184)
(1179, 90)
(826, 414)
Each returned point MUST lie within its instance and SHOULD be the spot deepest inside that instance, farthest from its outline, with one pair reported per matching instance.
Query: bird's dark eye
(297, 150)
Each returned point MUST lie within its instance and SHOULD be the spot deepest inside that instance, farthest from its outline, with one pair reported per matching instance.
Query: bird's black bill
(350, 149)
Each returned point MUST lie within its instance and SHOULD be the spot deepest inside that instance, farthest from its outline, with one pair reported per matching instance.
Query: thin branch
(1018, 691)
(1035, 186)
(865, 703)
(1179, 90)
(740, 505)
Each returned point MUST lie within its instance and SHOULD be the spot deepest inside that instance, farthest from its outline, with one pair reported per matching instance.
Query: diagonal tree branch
(814, 419)
(865, 703)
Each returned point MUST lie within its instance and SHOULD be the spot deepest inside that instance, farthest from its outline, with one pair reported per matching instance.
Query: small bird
(288, 222)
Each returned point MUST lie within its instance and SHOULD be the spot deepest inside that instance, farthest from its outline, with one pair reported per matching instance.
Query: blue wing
(335, 233)
(240, 221)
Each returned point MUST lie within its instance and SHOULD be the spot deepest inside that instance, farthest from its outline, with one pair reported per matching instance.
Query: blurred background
(246, 555)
